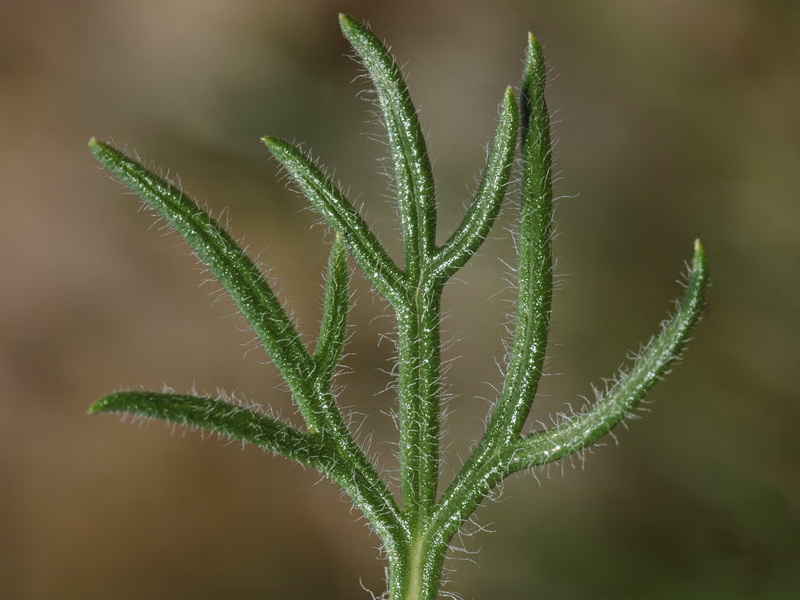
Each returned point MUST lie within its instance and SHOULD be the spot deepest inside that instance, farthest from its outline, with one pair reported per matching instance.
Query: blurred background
(674, 119)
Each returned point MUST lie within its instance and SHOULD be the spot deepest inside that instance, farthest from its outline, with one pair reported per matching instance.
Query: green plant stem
(418, 398)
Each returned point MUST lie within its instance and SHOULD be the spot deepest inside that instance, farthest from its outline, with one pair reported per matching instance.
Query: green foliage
(415, 535)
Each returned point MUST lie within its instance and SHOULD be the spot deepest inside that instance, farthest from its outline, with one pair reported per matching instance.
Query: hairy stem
(415, 537)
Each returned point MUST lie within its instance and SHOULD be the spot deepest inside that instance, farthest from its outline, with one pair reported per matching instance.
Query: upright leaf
(476, 224)
(333, 328)
(412, 168)
(535, 269)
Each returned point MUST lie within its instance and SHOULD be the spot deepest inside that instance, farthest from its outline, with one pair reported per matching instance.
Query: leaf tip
(534, 49)
(698, 248)
(96, 147)
(107, 404)
(96, 408)
(509, 102)
(346, 22)
(534, 57)
(270, 142)
(275, 145)
(699, 260)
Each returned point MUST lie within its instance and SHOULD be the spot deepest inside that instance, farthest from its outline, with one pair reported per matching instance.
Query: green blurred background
(675, 119)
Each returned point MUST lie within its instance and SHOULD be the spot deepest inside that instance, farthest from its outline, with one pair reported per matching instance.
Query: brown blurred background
(675, 119)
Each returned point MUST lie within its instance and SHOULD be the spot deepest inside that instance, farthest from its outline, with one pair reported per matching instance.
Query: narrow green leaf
(343, 218)
(412, 169)
(333, 328)
(240, 277)
(353, 469)
(535, 269)
(363, 485)
(476, 224)
(534, 287)
(237, 422)
(586, 428)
